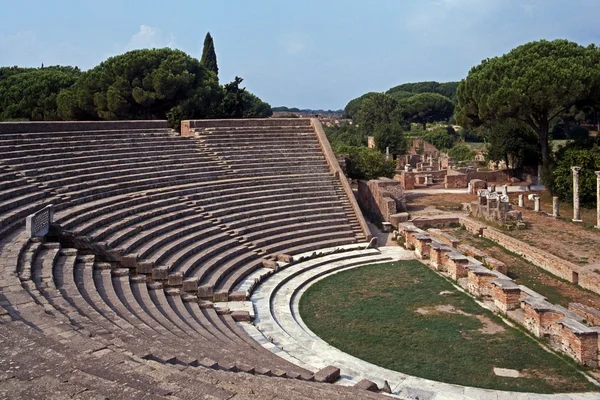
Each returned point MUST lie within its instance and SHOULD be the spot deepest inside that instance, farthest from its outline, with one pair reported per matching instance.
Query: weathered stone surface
(190, 285)
(366, 384)
(160, 273)
(398, 218)
(206, 292)
(175, 279)
(285, 258)
(221, 295)
(238, 296)
(241, 316)
(329, 374)
(269, 264)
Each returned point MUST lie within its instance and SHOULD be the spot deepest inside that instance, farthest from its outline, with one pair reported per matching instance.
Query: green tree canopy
(143, 84)
(353, 106)
(209, 56)
(31, 93)
(390, 136)
(379, 109)
(239, 103)
(427, 107)
(513, 142)
(443, 138)
(461, 152)
(534, 83)
(447, 89)
(343, 136)
(365, 163)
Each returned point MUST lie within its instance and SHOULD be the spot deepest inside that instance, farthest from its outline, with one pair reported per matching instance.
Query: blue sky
(308, 54)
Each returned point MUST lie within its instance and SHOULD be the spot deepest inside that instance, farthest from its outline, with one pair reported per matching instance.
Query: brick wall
(381, 198)
(549, 262)
(455, 180)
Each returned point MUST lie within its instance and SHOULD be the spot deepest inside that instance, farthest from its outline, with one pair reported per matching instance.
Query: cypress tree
(209, 57)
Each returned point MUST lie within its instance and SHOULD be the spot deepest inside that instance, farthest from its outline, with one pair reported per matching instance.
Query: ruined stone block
(270, 264)
(399, 218)
(206, 292)
(238, 296)
(368, 385)
(190, 285)
(241, 316)
(506, 295)
(175, 279)
(160, 273)
(286, 258)
(329, 374)
(220, 296)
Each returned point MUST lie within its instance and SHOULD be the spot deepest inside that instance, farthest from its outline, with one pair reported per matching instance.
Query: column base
(577, 220)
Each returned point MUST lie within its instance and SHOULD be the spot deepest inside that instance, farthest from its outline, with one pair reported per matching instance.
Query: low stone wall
(489, 176)
(549, 262)
(472, 226)
(74, 126)
(565, 330)
(406, 179)
(563, 269)
(434, 222)
(590, 314)
(455, 180)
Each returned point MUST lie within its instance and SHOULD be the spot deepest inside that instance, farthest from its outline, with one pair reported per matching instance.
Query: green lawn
(395, 315)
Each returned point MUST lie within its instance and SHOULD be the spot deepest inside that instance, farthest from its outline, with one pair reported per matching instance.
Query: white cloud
(149, 37)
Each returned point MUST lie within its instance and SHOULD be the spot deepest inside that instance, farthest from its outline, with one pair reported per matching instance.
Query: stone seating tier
(53, 269)
(172, 218)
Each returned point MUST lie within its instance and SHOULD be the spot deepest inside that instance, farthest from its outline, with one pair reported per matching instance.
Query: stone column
(555, 213)
(521, 201)
(536, 204)
(597, 199)
(505, 190)
(576, 216)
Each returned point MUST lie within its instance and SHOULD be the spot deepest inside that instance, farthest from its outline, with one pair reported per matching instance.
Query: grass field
(405, 317)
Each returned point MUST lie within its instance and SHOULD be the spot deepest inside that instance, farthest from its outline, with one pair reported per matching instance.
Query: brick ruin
(381, 198)
(494, 207)
(574, 331)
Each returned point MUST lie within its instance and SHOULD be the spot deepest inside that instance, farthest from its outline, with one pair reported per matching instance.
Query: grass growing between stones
(405, 317)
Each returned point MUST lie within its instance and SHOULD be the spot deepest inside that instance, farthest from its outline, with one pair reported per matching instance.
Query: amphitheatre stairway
(150, 229)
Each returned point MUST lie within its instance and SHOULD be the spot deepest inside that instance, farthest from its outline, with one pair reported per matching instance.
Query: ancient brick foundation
(381, 198)
(565, 330)
(455, 180)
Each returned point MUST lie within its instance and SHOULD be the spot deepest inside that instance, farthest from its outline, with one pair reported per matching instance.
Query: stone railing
(38, 223)
(335, 168)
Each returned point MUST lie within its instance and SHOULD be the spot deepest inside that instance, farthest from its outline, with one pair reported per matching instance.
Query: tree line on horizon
(140, 84)
(516, 103)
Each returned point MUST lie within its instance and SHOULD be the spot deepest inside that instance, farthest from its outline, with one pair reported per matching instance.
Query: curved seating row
(76, 325)
(154, 228)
